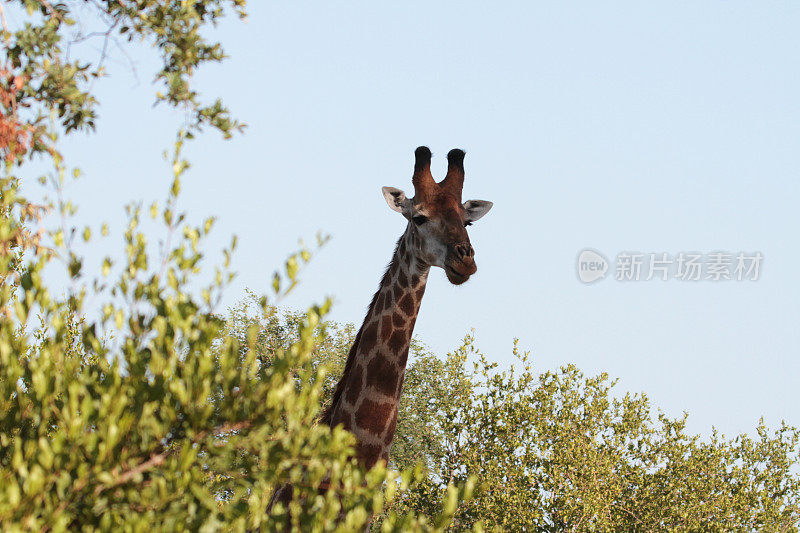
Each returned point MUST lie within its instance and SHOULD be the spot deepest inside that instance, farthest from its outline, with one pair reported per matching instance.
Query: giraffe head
(437, 219)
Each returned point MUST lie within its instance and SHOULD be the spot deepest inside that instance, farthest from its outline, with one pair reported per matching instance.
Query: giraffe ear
(395, 198)
(475, 209)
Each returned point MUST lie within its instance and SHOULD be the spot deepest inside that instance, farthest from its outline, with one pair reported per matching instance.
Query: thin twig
(5, 25)
(157, 459)
(52, 11)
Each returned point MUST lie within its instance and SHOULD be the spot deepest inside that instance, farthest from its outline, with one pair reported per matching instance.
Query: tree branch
(157, 459)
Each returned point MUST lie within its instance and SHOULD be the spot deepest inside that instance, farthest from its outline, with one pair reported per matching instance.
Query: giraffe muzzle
(460, 264)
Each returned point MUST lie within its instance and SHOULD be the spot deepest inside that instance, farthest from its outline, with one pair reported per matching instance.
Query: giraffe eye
(419, 219)
(467, 223)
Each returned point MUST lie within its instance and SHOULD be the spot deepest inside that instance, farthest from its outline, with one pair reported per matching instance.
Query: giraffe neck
(366, 399)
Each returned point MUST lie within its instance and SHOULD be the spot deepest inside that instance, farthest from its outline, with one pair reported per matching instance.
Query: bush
(559, 451)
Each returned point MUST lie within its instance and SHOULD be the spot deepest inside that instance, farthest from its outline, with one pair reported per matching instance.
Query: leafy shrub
(560, 451)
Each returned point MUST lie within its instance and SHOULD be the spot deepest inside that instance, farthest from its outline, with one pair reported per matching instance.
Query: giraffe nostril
(464, 251)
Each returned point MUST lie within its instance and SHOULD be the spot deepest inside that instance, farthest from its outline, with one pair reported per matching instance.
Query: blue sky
(655, 127)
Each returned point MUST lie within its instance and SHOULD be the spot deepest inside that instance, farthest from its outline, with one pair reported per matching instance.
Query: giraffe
(366, 398)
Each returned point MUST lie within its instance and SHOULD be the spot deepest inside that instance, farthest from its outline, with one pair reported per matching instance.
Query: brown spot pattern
(368, 454)
(420, 293)
(382, 374)
(403, 357)
(406, 304)
(398, 341)
(386, 328)
(387, 302)
(355, 384)
(372, 416)
(390, 429)
(369, 338)
(380, 352)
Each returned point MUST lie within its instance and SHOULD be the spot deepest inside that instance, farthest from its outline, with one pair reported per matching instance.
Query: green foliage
(561, 451)
(41, 78)
(558, 451)
(416, 441)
